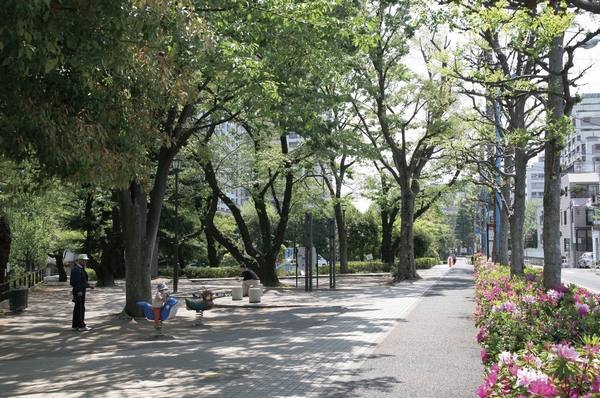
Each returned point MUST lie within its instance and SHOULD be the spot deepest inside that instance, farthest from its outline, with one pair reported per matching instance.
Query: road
(583, 277)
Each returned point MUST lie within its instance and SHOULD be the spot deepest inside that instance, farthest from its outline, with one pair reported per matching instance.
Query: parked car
(586, 260)
(195, 265)
(321, 262)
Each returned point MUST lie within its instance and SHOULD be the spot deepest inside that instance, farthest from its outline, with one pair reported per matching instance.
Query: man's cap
(82, 257)
(161, 286)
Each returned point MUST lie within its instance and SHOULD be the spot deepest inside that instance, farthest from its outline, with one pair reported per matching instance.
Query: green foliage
(91, 274)
(229, 261)
(363, 234)
(33, 223)
(464, 231)
(66, 93)
(426, 262)
(363, 267)
(434, 230)
(423, 240)
(203, 272)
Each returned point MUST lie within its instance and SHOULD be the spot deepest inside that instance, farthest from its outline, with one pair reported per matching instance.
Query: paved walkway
(292, 344)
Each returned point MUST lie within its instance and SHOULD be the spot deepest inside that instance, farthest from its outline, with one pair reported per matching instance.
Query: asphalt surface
(366, 338)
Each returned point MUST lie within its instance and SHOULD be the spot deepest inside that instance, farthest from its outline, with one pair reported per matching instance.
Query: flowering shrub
(536, 343)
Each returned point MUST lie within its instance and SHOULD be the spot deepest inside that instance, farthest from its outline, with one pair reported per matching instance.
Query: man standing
(250, 279)
(79, 281)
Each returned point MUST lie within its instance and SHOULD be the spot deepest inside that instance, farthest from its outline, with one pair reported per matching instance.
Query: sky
(590, 83)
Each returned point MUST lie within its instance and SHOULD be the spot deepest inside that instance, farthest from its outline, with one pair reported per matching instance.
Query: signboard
(369, 257)
(301, 259)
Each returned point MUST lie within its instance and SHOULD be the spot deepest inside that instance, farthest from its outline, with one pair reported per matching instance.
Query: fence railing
(29, 279)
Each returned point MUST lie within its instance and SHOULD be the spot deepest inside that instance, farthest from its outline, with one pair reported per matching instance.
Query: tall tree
(517, 47)
(464, 226)
(390, 102)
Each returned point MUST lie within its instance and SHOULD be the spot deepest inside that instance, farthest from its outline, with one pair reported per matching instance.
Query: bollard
(254, 295)
(236, 293)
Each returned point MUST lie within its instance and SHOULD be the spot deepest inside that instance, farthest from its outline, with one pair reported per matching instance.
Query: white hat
(161, 286)
(82, 257)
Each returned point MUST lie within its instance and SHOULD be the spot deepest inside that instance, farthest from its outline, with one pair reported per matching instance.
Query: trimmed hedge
(354, 267)
(203, 272)
(426, 262)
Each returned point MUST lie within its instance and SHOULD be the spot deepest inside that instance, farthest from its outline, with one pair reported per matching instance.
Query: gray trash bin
(17, 298)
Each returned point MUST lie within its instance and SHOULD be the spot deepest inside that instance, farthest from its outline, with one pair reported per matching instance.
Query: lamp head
(591, 43)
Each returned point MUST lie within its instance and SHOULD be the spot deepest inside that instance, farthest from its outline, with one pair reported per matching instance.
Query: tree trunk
(105, 271)
(134, 203)
(504, 221)
(213, 257)
(57, 255)
(517, 264)
(5, 241)
(342, 237)
(553, 146)
(388, 252)
(60, 266)
(406, 264)
(112, 251)
(116, 246)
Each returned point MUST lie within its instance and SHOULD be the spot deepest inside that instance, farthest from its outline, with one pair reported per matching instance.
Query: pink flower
(507, 306)
(596, 385)
(481, 335)
(484, 355)
(532, 359)
(542, 388)
(483, 391)
(582, 309)
(526, 377)
(555, 294)
(529, 299)
(565, 351)
(506, 357)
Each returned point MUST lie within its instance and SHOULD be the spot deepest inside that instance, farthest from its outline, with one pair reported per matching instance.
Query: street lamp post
(176, 165)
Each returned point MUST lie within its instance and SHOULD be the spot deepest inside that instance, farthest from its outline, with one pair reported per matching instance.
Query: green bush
(354, 267)
(426, 262)
(202, 272)
(363, 267)
(212, 272)
(91, 274)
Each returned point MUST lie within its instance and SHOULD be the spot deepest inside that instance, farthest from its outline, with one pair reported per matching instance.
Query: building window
(589, 216)
(583, 239)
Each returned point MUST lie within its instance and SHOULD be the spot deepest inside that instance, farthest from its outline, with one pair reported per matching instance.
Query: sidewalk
(293, 343)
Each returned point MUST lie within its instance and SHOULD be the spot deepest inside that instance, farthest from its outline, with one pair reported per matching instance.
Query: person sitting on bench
(249, 279)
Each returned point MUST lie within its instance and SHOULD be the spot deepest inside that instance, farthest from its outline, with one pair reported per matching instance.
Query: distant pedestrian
(79, 281)
(159, 300)
(249, 279)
